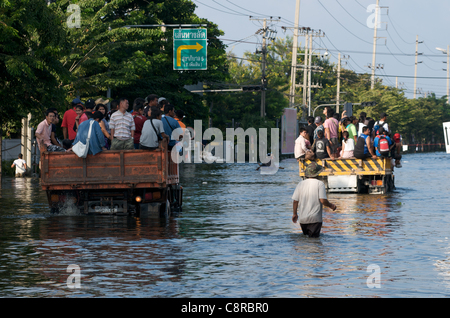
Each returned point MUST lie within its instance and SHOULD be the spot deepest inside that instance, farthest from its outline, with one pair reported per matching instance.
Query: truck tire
(164, 210)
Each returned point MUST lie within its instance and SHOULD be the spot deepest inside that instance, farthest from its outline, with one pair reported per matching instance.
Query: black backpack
(359, 148)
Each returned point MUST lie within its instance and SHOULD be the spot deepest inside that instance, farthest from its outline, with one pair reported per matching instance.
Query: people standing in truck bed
(321, 147)
(363, 147)
(97, 139)
(331, 126)
(301, 148)
(170, 124)
(44, 131)
(139, 119)
(122, 127)
(152, 131)
(69, 120)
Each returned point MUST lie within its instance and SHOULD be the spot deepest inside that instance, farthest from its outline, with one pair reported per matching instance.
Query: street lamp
(447, 51)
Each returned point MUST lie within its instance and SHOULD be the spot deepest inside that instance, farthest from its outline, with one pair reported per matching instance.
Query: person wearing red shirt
(69, 121)
(139, 120)
(88, 108)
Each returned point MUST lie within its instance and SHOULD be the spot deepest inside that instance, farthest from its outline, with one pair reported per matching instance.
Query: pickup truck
(373, 176)
(113, 182)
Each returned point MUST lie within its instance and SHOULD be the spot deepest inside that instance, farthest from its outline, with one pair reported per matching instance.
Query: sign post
(189, 49)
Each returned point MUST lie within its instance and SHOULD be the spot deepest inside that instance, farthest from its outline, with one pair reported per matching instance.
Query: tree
(135, 62)
(32, 42)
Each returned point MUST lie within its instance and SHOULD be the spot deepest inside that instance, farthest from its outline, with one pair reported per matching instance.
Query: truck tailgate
(108, 169)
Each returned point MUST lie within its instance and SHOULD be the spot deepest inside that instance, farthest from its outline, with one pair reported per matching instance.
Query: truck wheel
(164, 210)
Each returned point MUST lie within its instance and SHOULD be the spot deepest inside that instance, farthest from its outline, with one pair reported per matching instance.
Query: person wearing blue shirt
(97, 140)
(376, 142)
(170, 124)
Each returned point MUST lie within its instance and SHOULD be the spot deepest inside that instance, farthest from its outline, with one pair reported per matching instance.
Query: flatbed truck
(131, 182)
(373, 176)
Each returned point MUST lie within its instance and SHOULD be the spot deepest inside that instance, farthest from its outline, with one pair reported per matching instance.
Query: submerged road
(235, 238)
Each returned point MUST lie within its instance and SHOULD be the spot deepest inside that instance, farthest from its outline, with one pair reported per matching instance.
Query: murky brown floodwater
(235, 238)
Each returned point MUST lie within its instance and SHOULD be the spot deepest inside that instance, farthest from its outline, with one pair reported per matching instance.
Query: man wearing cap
(308, 200)
(319, 126)
(69, 121)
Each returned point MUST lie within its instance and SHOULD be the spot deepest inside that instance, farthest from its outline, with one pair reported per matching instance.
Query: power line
(350, 14)
(240, 14)
(342, 24)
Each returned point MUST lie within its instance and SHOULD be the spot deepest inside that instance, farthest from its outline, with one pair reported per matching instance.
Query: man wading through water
(309, 197)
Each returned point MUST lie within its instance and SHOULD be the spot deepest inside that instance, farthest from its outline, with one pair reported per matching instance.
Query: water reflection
(235, 238)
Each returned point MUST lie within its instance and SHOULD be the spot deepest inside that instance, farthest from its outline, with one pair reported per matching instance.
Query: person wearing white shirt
(348, 146)
(21, 166)
(300, 144)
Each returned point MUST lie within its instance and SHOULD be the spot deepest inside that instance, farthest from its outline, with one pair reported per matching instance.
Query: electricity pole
(294, 56)
(377, 8)
(415, 67)
(338, 94)
(266, 34)
(263, 72)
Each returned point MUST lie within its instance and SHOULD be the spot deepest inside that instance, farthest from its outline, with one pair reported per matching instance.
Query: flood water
(235, 238)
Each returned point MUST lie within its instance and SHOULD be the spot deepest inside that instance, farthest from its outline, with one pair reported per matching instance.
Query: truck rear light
(138, 199)
(157, 195)
(54, 198)
(148, 196)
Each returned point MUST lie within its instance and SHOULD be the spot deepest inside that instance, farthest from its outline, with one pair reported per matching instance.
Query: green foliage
(32, 40)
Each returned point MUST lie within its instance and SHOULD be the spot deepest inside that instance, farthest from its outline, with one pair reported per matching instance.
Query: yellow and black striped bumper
(379, 166)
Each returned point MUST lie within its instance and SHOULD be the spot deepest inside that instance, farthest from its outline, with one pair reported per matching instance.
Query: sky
(348, 28)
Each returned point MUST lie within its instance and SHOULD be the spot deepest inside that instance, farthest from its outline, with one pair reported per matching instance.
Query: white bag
(80, 149)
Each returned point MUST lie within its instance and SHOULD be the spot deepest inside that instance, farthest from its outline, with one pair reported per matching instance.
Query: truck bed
(369, 175)
(109, 169)
(353, 166)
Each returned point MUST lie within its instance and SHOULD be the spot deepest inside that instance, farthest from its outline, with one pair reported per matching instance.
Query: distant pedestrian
(309, 197)
(21, 166)
(122, 127)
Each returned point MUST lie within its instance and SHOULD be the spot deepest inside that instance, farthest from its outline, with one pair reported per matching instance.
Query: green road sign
(189, 49)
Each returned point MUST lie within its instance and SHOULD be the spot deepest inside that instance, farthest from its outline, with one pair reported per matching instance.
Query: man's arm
(295, 207)
(53, 139)
(328, 204)
(65, 132)
(112, 133)
(369, 146)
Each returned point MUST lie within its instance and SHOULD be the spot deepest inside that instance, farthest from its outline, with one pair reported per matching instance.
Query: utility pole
(294, 56)
(448, 72)
(263, 72)
(309, 75)
(338, 94)
(415, 66)
(377, 8)
(266, 34)
(305, 69)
